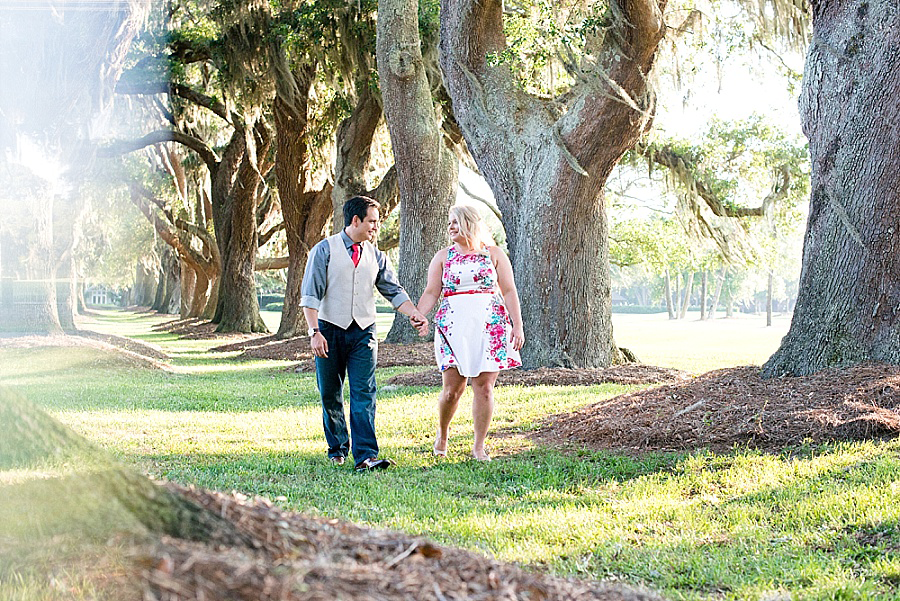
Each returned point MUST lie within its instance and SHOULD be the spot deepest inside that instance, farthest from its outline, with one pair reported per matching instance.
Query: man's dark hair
(358, 206)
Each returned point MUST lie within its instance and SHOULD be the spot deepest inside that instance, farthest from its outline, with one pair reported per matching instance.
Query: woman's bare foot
(440, 446)
(481, 456)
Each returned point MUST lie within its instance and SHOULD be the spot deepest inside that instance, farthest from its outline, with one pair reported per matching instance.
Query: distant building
(98, 295)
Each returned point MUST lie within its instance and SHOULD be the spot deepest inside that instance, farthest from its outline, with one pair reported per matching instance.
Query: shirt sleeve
(386, 281)
(312, 288)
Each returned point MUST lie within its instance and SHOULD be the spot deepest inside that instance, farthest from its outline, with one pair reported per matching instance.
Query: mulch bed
(292, 556)
(297, 349)
(135, 352)
(631, 373)
(736, 407)
(194, 328)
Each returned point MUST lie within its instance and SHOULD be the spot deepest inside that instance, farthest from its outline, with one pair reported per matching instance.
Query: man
(338, 302)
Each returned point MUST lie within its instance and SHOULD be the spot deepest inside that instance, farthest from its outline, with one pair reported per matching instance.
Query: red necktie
(356, 252)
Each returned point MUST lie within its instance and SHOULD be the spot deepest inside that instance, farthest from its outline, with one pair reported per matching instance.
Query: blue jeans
(351, 353)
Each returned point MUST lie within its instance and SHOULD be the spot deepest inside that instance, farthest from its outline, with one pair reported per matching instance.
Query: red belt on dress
(455, 292)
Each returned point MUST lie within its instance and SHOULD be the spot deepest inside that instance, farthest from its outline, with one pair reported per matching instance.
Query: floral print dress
(473, 326)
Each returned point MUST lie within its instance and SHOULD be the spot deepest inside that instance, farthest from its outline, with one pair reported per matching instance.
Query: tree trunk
(848, 302)
(188, 289)
(202, 291)
(90, 493)
(145, 281)
(670, 309)
(212, 304)
(720, 282)
(81, 306)
(32, 305)
(677, 297)
(238, 301)
(688, 288)
(353, 148)
(163, 294)
(238, 307)
(306, 212)
(703, 283)
(769, 286)
(427, 169)
(51, 104)
(66, 294)
(547, 168)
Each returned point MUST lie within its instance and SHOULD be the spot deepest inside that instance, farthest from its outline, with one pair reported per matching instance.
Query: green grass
(742, 525)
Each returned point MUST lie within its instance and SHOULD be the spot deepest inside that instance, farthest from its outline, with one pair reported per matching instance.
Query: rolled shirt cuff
(400, 299)
(311, 302)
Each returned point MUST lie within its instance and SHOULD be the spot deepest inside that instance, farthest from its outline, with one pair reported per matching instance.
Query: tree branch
(268, 263)
(489, 204)
(182, 91)
(264, 238)
(157, 137)
(387, 192)
(683, 169)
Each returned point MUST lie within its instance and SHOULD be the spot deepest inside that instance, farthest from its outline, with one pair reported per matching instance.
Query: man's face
(366, 229)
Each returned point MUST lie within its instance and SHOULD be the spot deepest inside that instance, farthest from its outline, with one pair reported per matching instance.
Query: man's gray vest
(349, 291)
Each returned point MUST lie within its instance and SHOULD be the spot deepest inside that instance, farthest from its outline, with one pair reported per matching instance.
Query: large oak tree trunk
(354, 147)
(849, 294)
(234, 183)
(547, 170)
(87, 490)
(306, 212)
(427, 169)
(237, 294)
(28, 303)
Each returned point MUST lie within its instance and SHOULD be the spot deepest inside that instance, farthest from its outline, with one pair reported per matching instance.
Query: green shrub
(267, 299)
(274, 307)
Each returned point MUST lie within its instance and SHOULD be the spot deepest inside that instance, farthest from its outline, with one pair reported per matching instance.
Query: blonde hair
(472, 227)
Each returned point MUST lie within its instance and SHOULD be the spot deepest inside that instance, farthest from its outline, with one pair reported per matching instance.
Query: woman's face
(453, 230)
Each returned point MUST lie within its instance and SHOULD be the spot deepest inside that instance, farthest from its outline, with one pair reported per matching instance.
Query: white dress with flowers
(473, 328)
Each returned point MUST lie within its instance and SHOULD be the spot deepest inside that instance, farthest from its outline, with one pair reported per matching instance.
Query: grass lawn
(812, 523)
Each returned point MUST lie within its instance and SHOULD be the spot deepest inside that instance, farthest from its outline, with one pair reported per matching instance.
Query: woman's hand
(518, 337)
(420, 323)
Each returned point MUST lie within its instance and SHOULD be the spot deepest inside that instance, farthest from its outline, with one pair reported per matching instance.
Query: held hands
(419, 322)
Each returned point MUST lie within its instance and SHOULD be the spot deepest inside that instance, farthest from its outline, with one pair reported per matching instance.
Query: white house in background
(97, 294)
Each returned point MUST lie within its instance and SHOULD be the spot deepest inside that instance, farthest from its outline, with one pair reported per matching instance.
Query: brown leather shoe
(337, 461)
(373, 463)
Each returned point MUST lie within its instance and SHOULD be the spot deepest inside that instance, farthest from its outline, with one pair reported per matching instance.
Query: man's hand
(419, 322)
(319, 345)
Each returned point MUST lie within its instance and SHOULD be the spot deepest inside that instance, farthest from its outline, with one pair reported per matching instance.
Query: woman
(478, 324)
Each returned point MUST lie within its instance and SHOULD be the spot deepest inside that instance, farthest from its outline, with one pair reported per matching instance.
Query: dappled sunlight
(696, 521)
(208, 363)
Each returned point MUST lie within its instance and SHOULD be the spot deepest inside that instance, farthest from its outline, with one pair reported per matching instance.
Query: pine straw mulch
(297, 349)
(736, 407)
(195, 328)
(293, 556)
(134, 351)
(630, 373)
